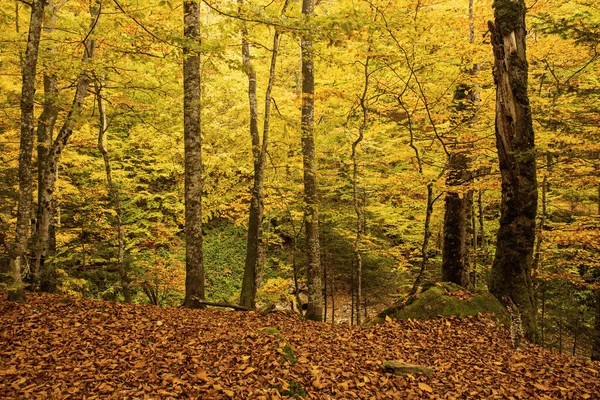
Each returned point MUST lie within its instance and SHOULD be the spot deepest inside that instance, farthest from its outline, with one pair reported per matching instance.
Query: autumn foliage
(58, 347)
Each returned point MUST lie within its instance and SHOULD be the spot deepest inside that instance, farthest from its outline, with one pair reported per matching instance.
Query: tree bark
(457, 223)
(113, 193)
(255, 248)
(17, 252)
(313, 268)
(358, 206)
(425, 246)
(511, 271)
(45, 131)
(596, 332)
(194, 266)
(49, 173)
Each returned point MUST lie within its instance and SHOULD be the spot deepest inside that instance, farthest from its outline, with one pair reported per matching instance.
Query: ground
(56, 347)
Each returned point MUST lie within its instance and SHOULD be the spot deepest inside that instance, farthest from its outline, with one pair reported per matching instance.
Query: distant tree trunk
(358, 206)
(194, 266)
(255, 247)
(18, 251)
(457, 223)
(596, 331)
(313, 268)
(425, 246)
(49, 173)
(113, 193)
(511, 271)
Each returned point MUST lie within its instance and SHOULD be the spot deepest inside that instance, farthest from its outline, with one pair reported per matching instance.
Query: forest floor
(56, 347)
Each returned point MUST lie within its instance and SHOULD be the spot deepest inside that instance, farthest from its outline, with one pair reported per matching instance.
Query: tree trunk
(457, 223)
(511, 270)
(358, 206)
(194, 266)
(313, 268)
(255, 248)
(45, 130)
(425, 245)
(596, 331)
(49, 173)
(113, 193)
(17, 252)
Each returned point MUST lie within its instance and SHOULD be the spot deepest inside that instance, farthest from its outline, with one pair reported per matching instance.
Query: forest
(341, 160)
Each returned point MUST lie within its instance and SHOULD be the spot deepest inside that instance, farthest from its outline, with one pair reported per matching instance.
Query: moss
(509, 15)
(443, 300)
(289, 355)
(272, 331)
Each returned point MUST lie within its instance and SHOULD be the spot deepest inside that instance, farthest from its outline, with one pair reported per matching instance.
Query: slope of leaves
(55, 347)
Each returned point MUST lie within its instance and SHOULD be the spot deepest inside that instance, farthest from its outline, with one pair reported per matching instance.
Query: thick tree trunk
(17, 257)
(457, 224)
(313, 267)
(511, 270)
(194, 266)
(113, 193)
(49, 173)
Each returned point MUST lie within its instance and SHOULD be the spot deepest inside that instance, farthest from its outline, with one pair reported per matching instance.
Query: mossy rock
(447, 300)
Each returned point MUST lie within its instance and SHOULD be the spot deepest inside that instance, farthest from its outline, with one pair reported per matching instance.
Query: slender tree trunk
(511, 270)
(596, 331)
(49, 174)
(255, 247)
(483, 242)
(18, 252)
(45, 131)
(194, 266)
(113, 192)
(425, 245)
(358, 207)
(313, 268)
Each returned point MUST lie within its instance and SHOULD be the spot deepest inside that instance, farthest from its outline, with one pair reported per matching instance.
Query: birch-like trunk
(48, 180)
(253, 268)
(511, 270)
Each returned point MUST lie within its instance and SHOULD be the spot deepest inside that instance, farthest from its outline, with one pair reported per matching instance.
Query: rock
(400, 368)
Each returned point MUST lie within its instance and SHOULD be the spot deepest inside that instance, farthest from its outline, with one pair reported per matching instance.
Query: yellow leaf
(249, 370)
(540, 386)
(388, 319)
(425, 387)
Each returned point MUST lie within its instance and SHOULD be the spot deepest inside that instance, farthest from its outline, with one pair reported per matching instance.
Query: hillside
(56, 347)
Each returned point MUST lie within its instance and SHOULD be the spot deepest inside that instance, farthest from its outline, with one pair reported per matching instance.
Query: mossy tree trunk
(29, 68)
(511, 271)
(194, 265)
(314, 309)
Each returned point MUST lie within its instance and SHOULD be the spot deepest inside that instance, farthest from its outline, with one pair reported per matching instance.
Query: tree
(596, 334)
(46, 185)
(255, 248)
(18, 250)
(194, 266)
(314, 309)
(511, 271)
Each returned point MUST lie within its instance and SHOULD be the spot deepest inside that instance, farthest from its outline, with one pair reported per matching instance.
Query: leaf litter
(52, 347)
